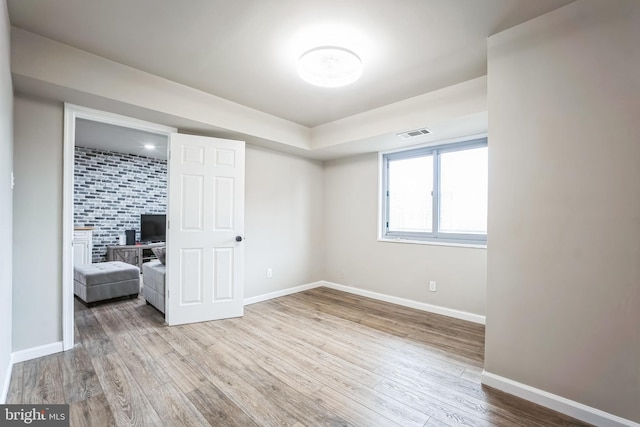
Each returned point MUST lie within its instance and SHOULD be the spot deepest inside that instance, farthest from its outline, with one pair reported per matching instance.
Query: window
(436, 193)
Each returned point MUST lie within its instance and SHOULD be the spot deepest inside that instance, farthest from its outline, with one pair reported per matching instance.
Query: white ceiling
(246, 50)
(103, 136)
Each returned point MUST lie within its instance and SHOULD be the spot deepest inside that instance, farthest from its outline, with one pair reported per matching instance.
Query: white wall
(563, 311)
(37, 225)
(283, 221)
(355, 258)
(6, 160)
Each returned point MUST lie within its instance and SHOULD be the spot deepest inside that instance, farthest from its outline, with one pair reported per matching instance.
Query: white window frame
(435, 236)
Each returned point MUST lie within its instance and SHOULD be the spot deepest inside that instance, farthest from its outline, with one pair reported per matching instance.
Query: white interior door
(205, 262)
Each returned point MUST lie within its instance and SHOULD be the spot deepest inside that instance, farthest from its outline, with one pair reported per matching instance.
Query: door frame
(71, 113)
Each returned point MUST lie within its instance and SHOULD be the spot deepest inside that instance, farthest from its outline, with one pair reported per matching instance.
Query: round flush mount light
(149, 146)
(329, 66)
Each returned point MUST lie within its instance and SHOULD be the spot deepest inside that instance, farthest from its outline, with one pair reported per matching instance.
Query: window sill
(433, 243)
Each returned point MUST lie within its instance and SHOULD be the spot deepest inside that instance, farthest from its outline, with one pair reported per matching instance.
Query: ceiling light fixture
(149, 146)
(330, 66)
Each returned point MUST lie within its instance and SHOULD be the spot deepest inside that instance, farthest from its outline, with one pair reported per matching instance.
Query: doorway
(205, 222)
(73, 116)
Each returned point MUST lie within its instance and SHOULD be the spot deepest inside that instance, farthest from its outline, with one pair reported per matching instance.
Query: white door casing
(205, 262)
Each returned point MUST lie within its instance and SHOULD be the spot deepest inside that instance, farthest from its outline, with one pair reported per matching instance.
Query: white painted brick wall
(112, 189)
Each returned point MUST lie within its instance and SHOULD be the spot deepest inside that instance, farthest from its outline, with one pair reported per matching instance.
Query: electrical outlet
(432, 285)
(269, 272)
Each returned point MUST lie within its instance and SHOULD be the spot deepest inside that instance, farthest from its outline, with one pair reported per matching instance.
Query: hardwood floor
(315, 358)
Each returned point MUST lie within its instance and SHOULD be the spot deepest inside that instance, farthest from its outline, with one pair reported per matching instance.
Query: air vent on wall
(413, 133)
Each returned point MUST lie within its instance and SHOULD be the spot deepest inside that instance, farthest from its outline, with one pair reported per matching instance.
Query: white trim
(117, 119)
(281, 293)
(432, 243)
(67, 226)
(35, 352)
(557, 403)
(458, 314)
(7, 381)
(71, 113)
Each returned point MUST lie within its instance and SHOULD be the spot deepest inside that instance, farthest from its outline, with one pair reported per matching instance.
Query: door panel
(192, 203)
(191, 276)
(223, 268)
(206, 213)
(224, 203)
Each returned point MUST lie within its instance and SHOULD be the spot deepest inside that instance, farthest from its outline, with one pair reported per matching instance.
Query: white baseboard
(7, 381)
(557, 403)
(23, 355)
(281, 293)
(35, 352)
(475, 318)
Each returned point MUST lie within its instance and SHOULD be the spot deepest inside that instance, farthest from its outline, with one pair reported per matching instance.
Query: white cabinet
(82, 246)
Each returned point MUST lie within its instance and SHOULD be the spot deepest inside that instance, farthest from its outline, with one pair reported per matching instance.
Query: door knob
(238, 238)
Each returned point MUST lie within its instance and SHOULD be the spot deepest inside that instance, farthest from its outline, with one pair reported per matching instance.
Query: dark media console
(132, 254)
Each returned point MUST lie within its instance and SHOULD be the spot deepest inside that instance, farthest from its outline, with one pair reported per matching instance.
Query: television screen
(153, 228)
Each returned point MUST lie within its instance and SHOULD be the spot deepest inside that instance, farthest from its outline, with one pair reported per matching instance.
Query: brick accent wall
(112, 189)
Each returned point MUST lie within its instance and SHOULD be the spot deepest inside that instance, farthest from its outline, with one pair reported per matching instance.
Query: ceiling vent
(414, 133)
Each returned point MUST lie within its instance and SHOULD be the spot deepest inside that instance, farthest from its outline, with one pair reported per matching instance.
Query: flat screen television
(153, 228)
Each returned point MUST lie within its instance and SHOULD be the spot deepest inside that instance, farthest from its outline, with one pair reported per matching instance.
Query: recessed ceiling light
(330, 66)
(149, 146)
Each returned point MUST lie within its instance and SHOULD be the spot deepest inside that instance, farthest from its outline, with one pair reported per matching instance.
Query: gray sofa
(153, 279)
(105, 280)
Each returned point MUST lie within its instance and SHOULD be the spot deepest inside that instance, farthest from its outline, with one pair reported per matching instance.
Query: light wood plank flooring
(315, 358)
